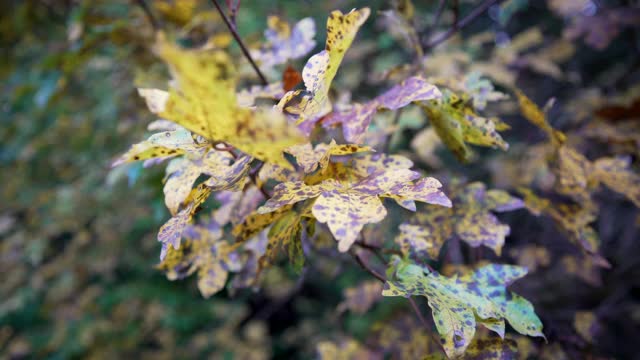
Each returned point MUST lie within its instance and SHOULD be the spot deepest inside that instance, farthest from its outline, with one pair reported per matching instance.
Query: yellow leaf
(320, 70)
(537, 117)
(203, 100)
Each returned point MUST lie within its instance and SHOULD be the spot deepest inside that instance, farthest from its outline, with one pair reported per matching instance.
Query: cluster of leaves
(297, 169)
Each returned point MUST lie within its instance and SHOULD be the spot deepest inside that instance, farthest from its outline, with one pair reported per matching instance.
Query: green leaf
(459, 302)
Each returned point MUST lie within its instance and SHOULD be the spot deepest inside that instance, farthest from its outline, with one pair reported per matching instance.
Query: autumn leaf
(475, 224)
(256, 222)
(471, 219)
(586, 324)
(616, 175)
(286, 234)
(491, 348)
(356, 120)
(235, 206)
(347, 207)
(171, 232)
(165, 144)
(415, 241)
(471, 86)
(426, 230)
(573, 219)
(459, 303)
(457, 124)
(203, 100)
(204, 252)
(536, 116)
(320, 70)
(223, 175)
(310, 158)
(284, 43)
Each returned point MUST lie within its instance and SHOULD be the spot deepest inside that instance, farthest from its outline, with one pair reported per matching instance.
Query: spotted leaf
(347, 206)
(284, 43)
(171, 232)
(458, 303)
(319, 72)
(356, 120)
(474, 223)
(203, 100)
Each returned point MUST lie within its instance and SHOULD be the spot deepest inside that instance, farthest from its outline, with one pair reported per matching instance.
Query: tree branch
(233, 6)
(155, 24)
(367, 268)
(437, 17)
(235, 35)
(473, 15)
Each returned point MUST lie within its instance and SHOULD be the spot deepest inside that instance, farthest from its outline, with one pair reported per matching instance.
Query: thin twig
(474, 14)
(415, 307)
(367, 268)
(375, 250)
(378, 248)
(255, 180)
(438, 16)
(155, 24)
(455, 7)
(235, 35)
(233, 6)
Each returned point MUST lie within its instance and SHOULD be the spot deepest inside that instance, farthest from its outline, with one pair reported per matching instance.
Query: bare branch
(236, 36)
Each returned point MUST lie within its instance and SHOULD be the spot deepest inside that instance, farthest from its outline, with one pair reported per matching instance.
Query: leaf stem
(236, 36)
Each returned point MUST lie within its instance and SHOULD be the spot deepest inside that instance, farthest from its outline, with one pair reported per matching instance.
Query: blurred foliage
(78, 247)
